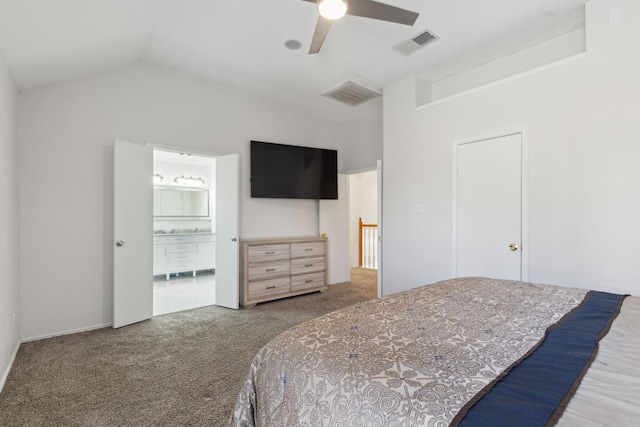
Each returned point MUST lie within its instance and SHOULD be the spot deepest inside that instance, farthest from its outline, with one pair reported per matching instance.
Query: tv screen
(293, 172)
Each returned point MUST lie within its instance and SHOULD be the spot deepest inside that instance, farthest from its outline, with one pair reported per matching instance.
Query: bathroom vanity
(183, 253)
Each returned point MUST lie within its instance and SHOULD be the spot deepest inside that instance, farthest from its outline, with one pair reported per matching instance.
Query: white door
(489, 208)
(379, 236)
(227, 291)
(133, 233)
(334, 222)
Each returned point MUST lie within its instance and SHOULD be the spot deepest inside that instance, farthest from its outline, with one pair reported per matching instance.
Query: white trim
(380, 181)
(528, 73)
(363, 170)
(524, 238)
(69, 332)
(523, 131)
(12, 359)
(174, 149)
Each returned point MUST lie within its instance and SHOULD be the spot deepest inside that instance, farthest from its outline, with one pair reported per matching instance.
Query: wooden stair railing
(368, 245)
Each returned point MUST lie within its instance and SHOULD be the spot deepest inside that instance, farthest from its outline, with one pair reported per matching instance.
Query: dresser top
(263, 241)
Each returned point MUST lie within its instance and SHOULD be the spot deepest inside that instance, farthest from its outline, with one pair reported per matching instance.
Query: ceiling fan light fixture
(332, 9)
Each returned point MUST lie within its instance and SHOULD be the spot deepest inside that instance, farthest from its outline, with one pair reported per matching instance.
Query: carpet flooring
(181, 369)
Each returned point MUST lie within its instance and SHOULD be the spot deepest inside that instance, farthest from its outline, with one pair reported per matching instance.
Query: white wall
(362, 143)
(584, 152)
(65, 166)
(9, 286)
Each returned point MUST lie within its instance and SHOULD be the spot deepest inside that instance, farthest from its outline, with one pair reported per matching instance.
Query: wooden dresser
(278, 268)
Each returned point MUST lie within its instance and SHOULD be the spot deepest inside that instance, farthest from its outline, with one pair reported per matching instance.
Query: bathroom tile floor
(183, 293)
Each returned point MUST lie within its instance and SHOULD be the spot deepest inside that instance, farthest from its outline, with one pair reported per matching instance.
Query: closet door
(133, 233)
(489, 213)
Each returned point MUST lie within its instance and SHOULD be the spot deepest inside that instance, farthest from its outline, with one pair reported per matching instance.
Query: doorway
(490, 207)
(184, 227)
(363, 209)
(133, 232)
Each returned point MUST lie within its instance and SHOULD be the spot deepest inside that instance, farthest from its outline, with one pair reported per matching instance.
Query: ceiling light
(332, 9)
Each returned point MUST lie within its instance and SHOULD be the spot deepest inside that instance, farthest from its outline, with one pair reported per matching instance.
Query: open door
(380, 245)
(227, 291)
(133, 233)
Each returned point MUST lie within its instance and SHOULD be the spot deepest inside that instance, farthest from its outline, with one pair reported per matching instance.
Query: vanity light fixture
(157, 178)
(188, 180)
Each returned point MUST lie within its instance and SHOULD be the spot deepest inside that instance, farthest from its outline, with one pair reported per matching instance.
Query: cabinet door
(159, 259)
(205, 256)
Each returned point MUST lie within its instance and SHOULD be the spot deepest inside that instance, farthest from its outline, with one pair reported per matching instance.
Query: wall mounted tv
(293, 172)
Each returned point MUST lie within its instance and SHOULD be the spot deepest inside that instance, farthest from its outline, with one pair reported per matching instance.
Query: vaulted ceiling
(241, 43)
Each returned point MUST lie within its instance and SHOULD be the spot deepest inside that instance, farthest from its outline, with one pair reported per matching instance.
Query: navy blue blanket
(535, 391)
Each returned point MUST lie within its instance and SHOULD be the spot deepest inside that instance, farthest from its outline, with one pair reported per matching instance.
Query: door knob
(513, 247)
(234, 239)
(119, 243)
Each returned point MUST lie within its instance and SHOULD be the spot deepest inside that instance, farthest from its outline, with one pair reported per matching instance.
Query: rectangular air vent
(351, 93)
(416, 43)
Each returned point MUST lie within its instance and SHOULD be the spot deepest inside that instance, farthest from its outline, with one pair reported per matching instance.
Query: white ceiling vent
(351, 93)
(416, 43)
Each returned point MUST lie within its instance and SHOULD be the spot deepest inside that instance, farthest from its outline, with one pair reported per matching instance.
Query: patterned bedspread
(410, 359)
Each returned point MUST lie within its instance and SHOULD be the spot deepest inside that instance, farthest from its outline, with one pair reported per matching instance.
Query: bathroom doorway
(184, 226)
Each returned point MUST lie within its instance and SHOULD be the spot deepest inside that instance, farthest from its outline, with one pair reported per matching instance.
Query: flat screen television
(293, 172)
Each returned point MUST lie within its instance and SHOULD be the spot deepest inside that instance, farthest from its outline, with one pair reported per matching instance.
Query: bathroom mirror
(180, 202)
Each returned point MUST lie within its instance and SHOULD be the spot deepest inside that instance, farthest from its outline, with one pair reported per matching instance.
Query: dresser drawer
(181, 256)
(258, 253)
(307, 249)
(180, 239)
(265, 270)
(268, 288)
(181, 248)
(305, 281)
(307, 265)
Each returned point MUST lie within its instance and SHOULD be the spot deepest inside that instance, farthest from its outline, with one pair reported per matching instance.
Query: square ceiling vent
(351, 93)
(411, 46)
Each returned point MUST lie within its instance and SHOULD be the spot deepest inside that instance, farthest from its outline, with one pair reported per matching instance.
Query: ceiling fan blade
(322, 29)
(383, 12)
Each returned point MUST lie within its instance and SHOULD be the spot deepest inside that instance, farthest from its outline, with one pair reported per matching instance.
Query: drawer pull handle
(308, 265)
(308, 249)
(271, 287)
(270, 253)
(270, 269)
(308, 281)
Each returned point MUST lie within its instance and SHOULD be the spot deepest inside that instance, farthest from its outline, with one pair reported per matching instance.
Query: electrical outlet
(15, 314)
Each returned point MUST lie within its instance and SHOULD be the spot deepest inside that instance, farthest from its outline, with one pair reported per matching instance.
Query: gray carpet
(182, 369)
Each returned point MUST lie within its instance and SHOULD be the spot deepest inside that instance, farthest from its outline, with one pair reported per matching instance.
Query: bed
(461, 352)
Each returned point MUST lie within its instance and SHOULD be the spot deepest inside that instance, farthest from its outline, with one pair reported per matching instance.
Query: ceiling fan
(330, 10)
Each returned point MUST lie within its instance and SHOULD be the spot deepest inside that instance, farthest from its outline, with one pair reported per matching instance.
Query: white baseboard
(73, 331)
(5, 375)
